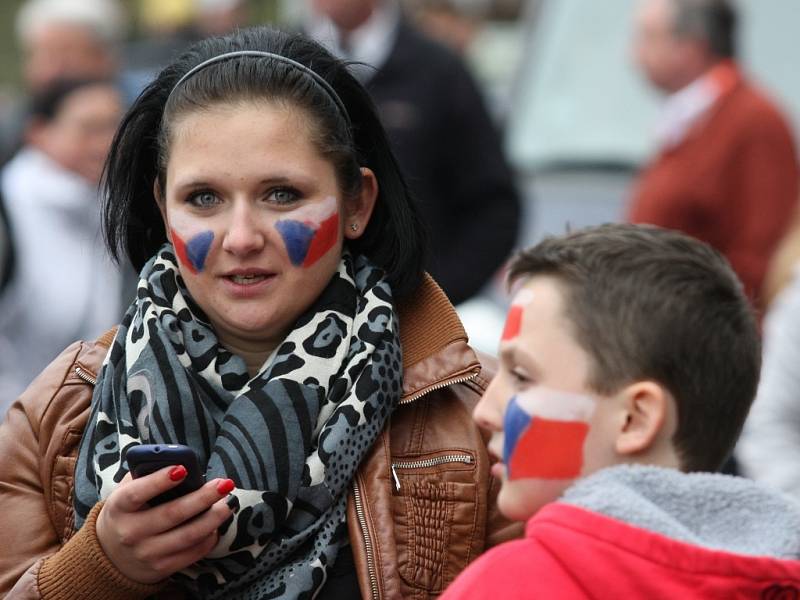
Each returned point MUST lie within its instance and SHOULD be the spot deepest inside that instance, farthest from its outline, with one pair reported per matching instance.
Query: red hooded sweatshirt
(572, 552)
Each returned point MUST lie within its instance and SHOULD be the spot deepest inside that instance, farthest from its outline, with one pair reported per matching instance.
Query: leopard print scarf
(291, 437)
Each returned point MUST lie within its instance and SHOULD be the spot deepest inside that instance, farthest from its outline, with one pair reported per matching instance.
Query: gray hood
(710, 510)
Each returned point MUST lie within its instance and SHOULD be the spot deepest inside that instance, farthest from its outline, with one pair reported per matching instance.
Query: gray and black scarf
(291, 437)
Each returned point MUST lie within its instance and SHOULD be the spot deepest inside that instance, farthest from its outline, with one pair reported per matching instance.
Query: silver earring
(354, 226)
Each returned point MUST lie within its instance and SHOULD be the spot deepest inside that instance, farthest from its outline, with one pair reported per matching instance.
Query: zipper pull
(396, 478)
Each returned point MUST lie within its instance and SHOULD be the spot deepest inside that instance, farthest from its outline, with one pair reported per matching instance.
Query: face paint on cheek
(297, 238)
(324, 239)
(544, 432)
(515, 313)
(193, 253)
(312, 234)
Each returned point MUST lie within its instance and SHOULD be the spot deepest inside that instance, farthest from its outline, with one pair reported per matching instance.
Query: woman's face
(256, 217)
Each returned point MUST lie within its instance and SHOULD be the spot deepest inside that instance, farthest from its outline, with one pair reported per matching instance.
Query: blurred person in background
(64, 39)
(64, 286)
(770, 442)
(727, 169)
(441, 132)
(218, 17)
(167, 27)
(454, 22)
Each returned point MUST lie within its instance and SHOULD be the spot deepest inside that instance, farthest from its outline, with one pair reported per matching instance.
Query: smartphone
(147, 458)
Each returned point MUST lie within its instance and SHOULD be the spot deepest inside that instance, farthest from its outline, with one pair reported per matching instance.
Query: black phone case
(147, 458)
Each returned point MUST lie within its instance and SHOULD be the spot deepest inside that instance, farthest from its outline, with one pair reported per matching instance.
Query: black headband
(258, 53)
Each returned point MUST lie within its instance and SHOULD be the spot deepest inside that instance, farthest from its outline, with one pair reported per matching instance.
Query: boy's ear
(645, 406)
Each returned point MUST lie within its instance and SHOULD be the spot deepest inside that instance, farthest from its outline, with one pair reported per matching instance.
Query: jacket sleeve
(79, 569)
(25, 520)
(33, 561)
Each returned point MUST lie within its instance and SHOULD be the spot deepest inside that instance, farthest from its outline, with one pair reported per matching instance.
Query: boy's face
(547, 427)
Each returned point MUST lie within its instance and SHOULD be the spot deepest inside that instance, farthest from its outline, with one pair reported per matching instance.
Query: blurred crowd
(447, 77)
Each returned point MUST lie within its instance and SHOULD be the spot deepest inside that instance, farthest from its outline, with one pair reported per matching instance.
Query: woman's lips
(245, 283)
(247, 279)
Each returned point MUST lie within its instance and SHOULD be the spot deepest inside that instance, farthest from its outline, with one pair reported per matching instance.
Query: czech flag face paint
(193, 252)
(192, 240)
(311, 232)
(544, 432)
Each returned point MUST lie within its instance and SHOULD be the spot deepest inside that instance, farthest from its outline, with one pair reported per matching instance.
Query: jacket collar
(434, 342)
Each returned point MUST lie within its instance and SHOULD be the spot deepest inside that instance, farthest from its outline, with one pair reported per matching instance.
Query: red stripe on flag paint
(549, 449)
(513, 323)
(180, 250)
(324, 239)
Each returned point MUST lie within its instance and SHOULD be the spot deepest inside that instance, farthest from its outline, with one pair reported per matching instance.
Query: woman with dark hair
(284, 329)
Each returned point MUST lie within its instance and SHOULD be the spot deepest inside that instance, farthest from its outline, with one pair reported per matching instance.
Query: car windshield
(581, 101)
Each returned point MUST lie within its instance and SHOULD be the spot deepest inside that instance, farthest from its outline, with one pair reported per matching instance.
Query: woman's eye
(284, 196)
(203, 199)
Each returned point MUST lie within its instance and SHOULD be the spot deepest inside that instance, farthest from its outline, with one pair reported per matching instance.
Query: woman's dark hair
(395, 238)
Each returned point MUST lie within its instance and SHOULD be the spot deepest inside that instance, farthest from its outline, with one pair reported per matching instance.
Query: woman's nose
(244, 233)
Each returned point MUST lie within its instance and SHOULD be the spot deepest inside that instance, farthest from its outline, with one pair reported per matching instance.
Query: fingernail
(232, 502)
(225, 487)
(177, 473)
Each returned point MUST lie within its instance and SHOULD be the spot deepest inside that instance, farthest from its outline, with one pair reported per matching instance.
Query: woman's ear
(645, 407)
(358, 210)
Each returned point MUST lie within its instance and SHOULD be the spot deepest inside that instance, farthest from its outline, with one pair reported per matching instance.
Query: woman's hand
(147, 544)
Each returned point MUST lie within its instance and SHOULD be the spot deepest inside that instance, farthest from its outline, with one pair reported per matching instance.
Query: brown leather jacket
(421, 508)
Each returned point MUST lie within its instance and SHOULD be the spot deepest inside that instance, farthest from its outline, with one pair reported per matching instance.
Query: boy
(628, 364)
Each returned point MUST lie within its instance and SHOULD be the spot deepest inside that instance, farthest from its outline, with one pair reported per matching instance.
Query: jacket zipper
(362, 521)
(85, 376)
(429, 462)
(439, 386)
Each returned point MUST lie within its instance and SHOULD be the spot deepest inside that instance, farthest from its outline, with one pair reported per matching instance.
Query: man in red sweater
(727, 169)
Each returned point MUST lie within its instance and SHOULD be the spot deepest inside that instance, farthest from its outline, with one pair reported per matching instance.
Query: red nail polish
(225, 487)
(177, 473)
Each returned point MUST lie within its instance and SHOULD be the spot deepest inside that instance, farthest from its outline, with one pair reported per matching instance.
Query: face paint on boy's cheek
(515, 313)
(544, 432)
(311, 234)
(194, 251)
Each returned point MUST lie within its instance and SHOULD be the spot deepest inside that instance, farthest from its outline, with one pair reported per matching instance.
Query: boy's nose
(488, 413)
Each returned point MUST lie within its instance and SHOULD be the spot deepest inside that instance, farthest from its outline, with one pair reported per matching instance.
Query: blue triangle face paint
(197, 249)
(297, 236)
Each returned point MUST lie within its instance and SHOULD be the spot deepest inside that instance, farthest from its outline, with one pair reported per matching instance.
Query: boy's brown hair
(651, 304)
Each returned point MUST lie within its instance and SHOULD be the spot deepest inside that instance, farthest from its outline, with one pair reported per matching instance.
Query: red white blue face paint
(544, 431)
(515, 312)
(193, 251)
(311, 232)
